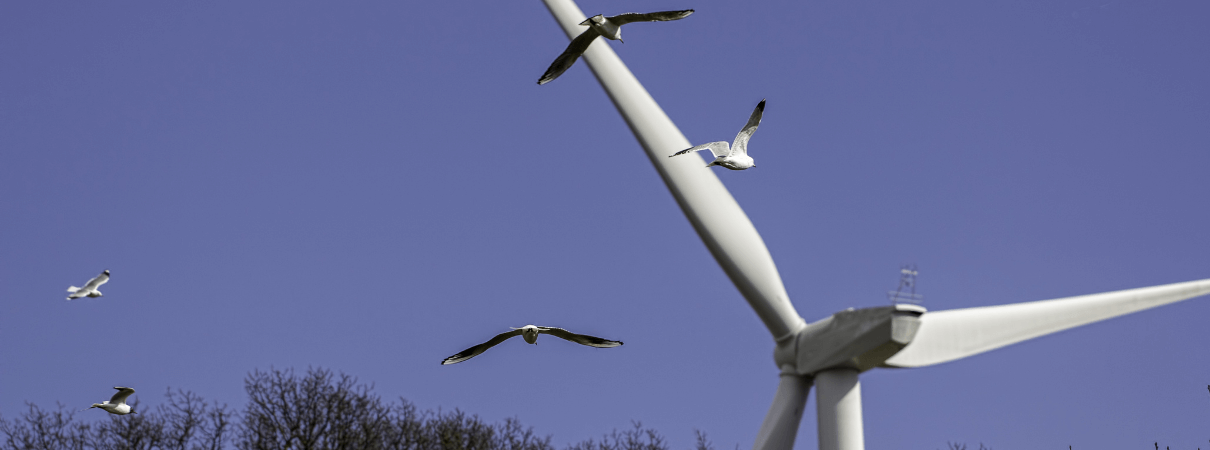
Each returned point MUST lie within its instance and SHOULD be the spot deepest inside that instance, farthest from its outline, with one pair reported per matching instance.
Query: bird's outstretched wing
(476, 350)
(120, 397)
(569, 56)
(661, 16)
(582, 339)
(97, 281)
(741, 139)
(718, 148)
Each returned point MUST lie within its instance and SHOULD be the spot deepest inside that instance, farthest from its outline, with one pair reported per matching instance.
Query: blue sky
(374, 187)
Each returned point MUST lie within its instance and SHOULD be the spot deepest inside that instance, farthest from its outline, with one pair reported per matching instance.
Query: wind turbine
(832, 352)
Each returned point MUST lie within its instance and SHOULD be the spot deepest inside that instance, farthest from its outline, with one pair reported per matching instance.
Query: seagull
(117, 403)
(530, 333)
(90, 288)
(611, 28)
(736, 157)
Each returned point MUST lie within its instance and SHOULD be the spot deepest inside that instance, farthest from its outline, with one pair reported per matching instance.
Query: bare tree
(321, 410)
(957, 446)
(38, 429)
(317, 410)
(314, 411)
(185, 422)
(638, 438)
(191, 423)
(702, 442)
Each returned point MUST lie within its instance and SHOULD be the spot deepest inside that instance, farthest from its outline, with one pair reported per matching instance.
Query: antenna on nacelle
(906, 292)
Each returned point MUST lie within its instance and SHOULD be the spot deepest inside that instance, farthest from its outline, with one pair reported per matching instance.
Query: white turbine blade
(713, 212)
(780, 427)
(954, 334)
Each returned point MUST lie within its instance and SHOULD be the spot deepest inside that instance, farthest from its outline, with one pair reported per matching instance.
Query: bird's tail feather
(72, 289)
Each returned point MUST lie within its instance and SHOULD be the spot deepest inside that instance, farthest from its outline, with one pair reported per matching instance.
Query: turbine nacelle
(858, 339)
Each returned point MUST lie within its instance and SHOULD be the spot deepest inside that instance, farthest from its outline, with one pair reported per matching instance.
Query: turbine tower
(832, 352)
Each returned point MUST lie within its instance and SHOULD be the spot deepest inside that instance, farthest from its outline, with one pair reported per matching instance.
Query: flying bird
(611, 28)
(90, 288)
(530, 334)
(736, 157)
(117, 403)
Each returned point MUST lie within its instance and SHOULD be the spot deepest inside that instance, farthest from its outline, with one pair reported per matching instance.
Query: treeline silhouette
(318, 410)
